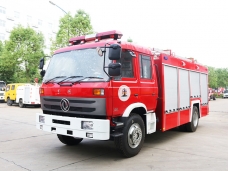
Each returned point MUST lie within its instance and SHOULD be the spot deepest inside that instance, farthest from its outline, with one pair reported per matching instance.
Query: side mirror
(42, 73)
(41, 63)
(114, 69)
(99, 51)
(114, 52)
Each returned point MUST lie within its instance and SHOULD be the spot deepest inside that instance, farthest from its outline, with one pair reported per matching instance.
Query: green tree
(222, 74)
(21, 54)
(77, 25)
(129, 39)
(1, 47)
(212, 77)
(1, 50)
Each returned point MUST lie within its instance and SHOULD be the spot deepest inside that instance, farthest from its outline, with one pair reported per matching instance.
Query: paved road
(23, 147)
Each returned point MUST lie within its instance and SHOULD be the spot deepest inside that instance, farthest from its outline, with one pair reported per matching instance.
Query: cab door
(125, 87)
(13, 92)
(148, 82)
(7, 92)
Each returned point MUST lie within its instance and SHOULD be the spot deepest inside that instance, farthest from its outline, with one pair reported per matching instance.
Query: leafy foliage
(212, 77)
(222, 75)
(218, 77)
(1, 47)
(71, 26)
(129, 40)
(21, 54)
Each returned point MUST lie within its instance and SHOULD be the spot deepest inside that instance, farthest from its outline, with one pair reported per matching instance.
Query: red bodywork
(180, 117)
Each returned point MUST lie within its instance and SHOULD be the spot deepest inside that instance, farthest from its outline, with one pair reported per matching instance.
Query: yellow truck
(10, 93)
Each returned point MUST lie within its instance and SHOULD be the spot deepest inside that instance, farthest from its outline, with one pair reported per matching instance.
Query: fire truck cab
(105, 89)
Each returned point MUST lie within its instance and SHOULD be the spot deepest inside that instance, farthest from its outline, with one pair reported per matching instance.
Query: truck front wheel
(9, 102)
(133, 136)
(69, 140)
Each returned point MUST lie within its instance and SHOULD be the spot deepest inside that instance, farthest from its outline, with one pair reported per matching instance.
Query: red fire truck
(102, 88)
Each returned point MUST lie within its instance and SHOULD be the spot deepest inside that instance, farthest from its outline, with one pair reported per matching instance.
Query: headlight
(87, 125)
(41, 90)
(41, 119)
(98, 92)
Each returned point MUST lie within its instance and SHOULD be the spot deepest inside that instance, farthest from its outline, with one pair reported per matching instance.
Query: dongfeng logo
(65, 105)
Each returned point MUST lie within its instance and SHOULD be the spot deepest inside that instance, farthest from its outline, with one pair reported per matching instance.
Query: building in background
(12, 16)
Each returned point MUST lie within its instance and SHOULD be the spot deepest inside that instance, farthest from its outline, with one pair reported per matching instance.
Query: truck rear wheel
(192, 126)
(21, 105)
(183, 128)
(68, 140)
(9, 102)
(133, 136)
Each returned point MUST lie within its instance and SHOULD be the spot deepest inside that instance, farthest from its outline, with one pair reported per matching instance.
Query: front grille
(52, 107)
(71, 101)
(77, 106)
(77, 109)
(1, 94)
(82, 109)
(52, 100)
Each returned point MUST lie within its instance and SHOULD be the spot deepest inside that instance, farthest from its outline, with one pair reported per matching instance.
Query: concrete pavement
(23, 147)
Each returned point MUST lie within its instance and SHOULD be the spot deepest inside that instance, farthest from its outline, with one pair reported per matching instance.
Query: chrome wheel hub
(195, 119)
(134, 135)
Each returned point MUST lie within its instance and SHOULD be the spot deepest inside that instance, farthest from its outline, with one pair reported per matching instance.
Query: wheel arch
(137, 108)
(18, 99)
(197, 104)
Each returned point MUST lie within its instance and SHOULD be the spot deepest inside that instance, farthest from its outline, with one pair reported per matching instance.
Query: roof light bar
(110, 34)
(114, 34)
(76, 40)
(90, 37)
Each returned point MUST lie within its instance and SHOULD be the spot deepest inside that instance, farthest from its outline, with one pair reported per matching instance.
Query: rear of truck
(183, 92)
(28, 94)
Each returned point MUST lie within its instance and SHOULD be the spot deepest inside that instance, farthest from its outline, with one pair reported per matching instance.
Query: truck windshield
(2, 84)
(77, 64)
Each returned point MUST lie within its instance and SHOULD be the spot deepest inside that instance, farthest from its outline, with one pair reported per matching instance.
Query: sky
(190, 28)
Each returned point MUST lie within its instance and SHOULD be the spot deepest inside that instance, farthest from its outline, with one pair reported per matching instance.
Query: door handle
(153, 94)
(135, 94)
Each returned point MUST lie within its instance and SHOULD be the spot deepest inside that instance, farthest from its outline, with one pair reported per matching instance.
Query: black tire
(37, 106)
(183, 128)
(192, 126)
(134, 130)
(69, 140)
(9, 102)
(21, 104)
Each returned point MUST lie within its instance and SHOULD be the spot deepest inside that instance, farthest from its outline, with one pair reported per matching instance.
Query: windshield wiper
(69, 78)
(87, 77)
(53, 79)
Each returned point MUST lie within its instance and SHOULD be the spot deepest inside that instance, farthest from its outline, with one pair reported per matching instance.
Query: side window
(126, 65)
(8, 88)
(145, 67)
(13, 87)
